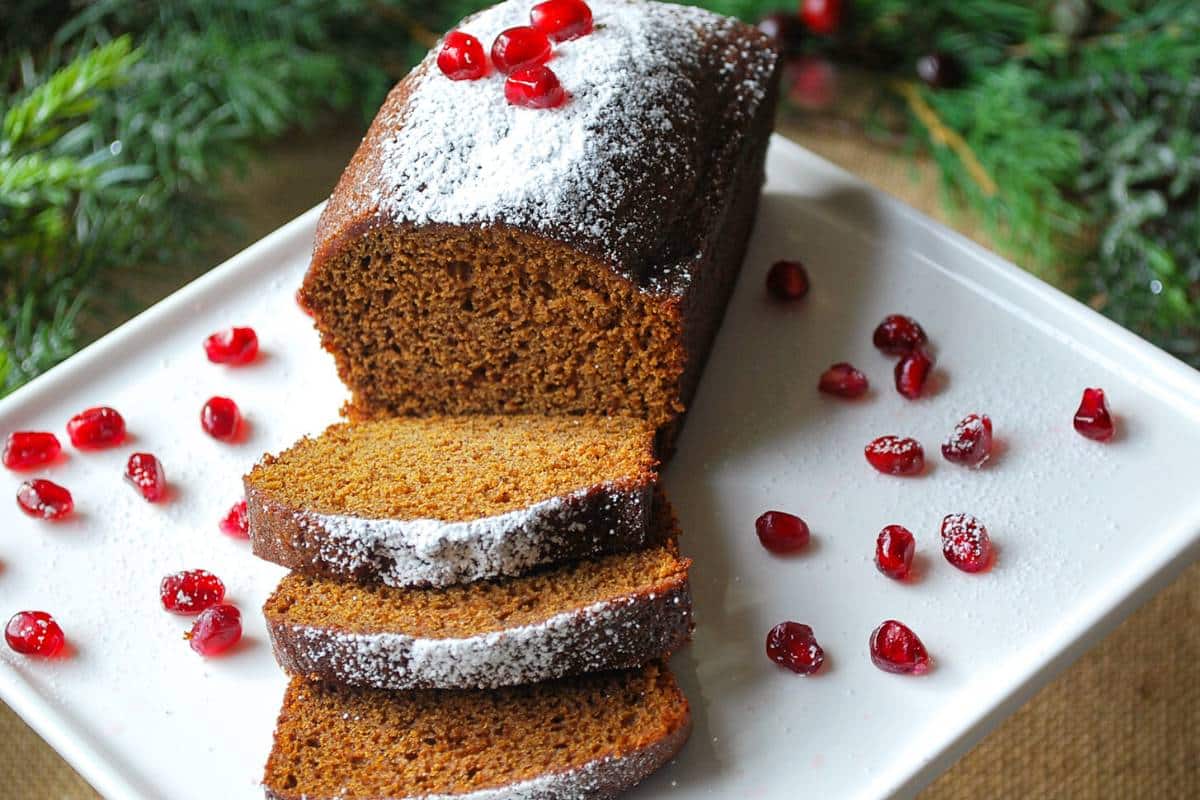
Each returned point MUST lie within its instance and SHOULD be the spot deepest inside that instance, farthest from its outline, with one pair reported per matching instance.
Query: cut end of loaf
(454, 469)
(461, 320)
(591, 736)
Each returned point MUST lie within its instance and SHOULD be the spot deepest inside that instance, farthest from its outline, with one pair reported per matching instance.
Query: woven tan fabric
(1124, 722)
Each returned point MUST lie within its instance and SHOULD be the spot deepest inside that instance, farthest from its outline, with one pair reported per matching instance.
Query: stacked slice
(437, 560)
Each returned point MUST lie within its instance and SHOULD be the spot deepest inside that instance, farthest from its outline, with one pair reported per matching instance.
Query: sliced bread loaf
(621, 610)
(446, 500)
(592, 736)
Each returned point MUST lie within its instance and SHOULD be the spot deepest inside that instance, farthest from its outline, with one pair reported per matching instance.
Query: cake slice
(446, 500)
(477, 257)
(619, 611)
(587, 737)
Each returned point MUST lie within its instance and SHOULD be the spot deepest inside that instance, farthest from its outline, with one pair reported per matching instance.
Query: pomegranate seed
(843, 380)
(235, 523)
(821, 16)
(971, 442)
(534, 87)
(965, 542)
(461, 57)
(44, 499)
(34, 633)
(232, 346)
(27, 449)
(190, 592)
(893, 455)
(220, 418)
(520, 48)
(895, 648)
(145, 473)
(781, 532)
(787, 280)
(912, 370)
(96, 428)
(792, 645)
(894, 551)
(562, 20)
(898, 334)
(1093, 419)
(216, 630)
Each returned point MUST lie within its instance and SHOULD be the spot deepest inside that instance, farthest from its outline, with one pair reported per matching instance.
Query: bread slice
(622, 610)
(446, 500)
(592, 736)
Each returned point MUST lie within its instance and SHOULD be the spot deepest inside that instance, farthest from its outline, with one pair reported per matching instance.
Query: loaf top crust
(632, 170)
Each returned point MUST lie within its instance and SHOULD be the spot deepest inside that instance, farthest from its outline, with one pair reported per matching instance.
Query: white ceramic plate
(1083, 531)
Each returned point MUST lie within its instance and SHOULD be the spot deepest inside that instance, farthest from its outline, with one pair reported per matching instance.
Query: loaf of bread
(588, 737)
(438, 501)
(614, 612)
(477, 257)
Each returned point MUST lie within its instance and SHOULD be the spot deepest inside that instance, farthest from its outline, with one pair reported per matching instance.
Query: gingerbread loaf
(615, 612)
(481, 258)
(592, 737)
(438, 501)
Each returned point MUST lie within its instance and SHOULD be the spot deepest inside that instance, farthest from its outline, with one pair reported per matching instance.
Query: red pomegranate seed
(1093, 419)
(898, 334)
(534, 87)
(965, 542)
(190, 592)
(895, 648)
(894, 455)
(221, 418)
(971, 442)
(562, 20)
(821, 16)
(34, 633)
(792, 645)
(145, 473)
(232, 346)
(787, 280)
(894, 551)
(912, 370)
(520, 48)
(44, 499)
(843, 380)
(781, 532)
(462, 58)
(216, 630)
(27, 449)
(96, 428)
(236, 523)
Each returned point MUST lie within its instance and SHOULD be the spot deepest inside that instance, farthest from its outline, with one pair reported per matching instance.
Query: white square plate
(1083, 531)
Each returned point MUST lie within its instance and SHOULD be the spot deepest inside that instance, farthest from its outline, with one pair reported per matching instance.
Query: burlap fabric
(1123, 722)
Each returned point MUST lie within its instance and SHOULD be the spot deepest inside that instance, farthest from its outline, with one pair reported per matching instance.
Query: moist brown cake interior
(511, 323)
(334, 741)
(455, 468)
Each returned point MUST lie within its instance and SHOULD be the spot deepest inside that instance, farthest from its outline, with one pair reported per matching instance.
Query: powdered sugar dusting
(615, 632)
(430, 552)
(641, 87)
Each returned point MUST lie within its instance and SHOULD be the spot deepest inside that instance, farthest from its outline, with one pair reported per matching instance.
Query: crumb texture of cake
(477, 257)
(616, 612)
(444, 500)
(592, 736)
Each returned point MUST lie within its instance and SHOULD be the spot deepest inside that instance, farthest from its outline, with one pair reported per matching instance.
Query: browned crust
(612, 777)
(608, 518)
(629, 631)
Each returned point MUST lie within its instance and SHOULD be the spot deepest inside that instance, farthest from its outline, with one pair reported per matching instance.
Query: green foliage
(1075, 135)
